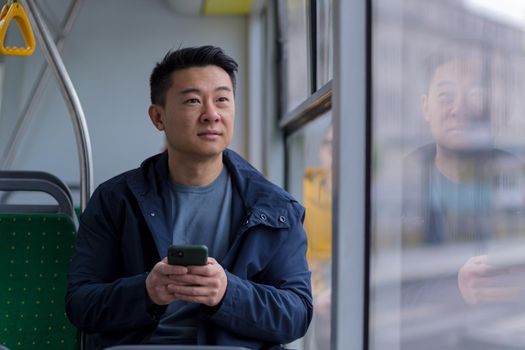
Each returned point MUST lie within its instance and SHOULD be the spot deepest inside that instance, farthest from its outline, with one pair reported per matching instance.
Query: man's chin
(210, 153)
(468, 148)
(199, 154)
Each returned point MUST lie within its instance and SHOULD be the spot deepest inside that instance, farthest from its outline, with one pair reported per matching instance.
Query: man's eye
(222, 99)
(446, 97)
(192, 101)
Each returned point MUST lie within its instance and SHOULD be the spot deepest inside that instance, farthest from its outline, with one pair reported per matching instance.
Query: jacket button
(152, 213)
(246, 222)
(263, 216)
(282, 219)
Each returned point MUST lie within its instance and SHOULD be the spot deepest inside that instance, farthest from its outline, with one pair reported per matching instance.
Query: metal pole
(350, 203)
(25, 118)
(67, 89)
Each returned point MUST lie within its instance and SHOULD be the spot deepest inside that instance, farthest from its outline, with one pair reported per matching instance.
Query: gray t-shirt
(460, 211)
(197, 215)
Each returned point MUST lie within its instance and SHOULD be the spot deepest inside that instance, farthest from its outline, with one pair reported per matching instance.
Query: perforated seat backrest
(35, 253)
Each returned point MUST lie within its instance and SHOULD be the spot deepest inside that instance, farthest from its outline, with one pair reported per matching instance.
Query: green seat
(35, 253)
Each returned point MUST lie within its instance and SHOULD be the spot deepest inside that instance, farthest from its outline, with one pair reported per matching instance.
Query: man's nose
(458, 108)
(210, 113)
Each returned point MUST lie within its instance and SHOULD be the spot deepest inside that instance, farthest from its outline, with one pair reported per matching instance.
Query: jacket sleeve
(277, 308)
(98, 298)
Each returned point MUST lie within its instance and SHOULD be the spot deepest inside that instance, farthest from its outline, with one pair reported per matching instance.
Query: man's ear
(424, 107)
(155, 114)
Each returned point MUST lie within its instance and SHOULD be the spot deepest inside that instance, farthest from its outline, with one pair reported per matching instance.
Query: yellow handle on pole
(15, 10)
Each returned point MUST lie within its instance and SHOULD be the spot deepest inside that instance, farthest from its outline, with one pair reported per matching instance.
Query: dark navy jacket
(268, 298)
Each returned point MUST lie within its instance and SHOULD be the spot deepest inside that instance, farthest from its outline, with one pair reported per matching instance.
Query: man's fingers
(195, 280)
(159, 278)
(156, 286)
(203, 295)
(188, 290)
(167, 269)
(211, 269)
(497, 294)
(198, 284)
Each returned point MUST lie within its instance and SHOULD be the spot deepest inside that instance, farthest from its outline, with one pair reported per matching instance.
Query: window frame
(351, 79)
(352, 169)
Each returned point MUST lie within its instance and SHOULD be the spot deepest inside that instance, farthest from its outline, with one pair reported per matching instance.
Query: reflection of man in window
(462, 158)
(454, 201)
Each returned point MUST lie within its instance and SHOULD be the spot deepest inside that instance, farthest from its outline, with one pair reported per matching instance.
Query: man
(452, 203)
(254, 291)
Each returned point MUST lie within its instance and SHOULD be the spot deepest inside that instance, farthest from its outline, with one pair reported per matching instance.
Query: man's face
(198, 113)
(456, 107)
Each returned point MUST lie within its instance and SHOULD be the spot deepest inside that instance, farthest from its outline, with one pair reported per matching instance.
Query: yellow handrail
(15, 10)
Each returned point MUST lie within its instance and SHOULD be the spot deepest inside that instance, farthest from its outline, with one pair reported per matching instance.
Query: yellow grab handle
(16, 11)
(4, 11)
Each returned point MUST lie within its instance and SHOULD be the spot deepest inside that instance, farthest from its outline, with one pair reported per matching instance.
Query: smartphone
(188, 255)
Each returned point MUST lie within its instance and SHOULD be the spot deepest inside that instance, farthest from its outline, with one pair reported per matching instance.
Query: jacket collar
(152, 173)
(262, 202)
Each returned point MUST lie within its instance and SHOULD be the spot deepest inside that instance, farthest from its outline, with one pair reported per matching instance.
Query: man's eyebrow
(196, 90)
(445, 82)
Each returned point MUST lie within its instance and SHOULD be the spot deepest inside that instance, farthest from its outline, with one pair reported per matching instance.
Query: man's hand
(480, 282)
(202, 284)
(159, 279)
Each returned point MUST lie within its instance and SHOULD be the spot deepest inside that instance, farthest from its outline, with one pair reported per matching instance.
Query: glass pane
(310, 174)
(324, 42)
(296, 53)
(448, 179)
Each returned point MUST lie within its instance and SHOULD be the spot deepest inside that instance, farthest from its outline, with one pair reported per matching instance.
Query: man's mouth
(209, 133)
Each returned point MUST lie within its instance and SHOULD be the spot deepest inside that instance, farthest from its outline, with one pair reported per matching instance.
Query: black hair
(442, 56)
(160, 79)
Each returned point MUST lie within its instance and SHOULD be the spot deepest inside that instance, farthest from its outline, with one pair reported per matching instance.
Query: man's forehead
(457, 71)
(210, 72)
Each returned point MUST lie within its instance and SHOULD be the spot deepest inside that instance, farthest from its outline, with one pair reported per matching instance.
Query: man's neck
(458, 166)
(189, 171)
